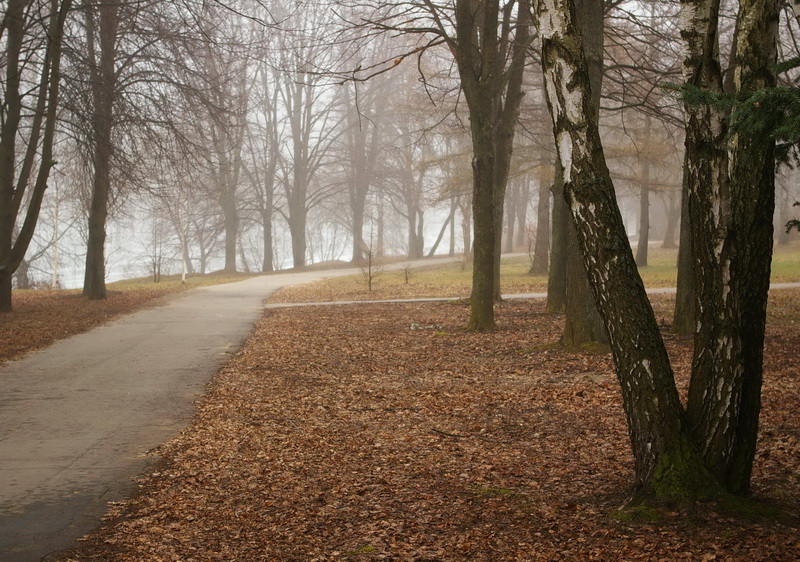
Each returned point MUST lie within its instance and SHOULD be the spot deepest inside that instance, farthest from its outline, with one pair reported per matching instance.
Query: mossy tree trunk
(709, 448)
(668, 464)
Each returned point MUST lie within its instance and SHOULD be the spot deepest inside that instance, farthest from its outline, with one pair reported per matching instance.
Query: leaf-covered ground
(384, 431)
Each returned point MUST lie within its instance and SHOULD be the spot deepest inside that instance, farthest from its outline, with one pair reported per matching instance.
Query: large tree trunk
(483, 246)
(583, 322)
(668, 465)
(557, 278)
(103, 97)
(541, 262)
(493, 97)
(734, 262)
(683, 318)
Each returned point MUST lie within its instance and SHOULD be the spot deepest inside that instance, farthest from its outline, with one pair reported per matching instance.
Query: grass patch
(173, 283)
(638, 514)
(455, 280)
(366, 549)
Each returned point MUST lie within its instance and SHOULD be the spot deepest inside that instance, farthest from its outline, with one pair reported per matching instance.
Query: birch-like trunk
(733, 251)
(668, 465)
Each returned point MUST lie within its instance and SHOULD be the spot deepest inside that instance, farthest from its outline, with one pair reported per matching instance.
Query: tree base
(679, 479)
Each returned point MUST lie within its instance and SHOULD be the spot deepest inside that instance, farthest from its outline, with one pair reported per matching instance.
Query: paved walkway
(77, 420)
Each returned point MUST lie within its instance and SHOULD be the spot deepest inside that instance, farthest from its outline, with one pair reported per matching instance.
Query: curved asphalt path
(77, 419)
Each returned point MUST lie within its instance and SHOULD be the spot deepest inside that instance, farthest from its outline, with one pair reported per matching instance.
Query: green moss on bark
(680, 478)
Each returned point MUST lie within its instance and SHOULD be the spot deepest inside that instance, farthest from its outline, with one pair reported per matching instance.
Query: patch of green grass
(366, 549)
(638, 514)
(786, 263)
(170, 283)
(455, 280)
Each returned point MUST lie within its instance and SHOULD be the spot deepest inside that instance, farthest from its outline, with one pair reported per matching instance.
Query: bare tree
(263, 156)
(312, 121)
(363, 137)
(30, 88)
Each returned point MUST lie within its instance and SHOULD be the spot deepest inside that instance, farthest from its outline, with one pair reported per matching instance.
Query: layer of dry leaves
(384, 431)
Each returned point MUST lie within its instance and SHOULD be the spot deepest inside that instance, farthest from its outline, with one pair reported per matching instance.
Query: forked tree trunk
(668, 465)
(493, 98)
(680, 456)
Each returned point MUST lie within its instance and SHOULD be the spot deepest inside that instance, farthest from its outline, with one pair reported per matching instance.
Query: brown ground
(387, 432)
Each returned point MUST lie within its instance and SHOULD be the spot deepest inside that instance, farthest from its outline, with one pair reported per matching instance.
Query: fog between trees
(254, 136)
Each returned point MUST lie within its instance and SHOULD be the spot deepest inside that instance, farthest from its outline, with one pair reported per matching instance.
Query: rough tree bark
(583, 324)
(492, 87)
(102, 21)
(693, 454)
(667, 462)
(732, 245)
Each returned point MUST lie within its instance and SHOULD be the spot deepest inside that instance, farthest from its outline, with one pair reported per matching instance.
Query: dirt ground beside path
(385, 431)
